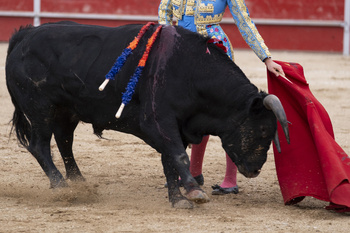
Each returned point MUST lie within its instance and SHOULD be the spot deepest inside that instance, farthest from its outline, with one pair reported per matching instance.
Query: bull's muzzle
(247, 172)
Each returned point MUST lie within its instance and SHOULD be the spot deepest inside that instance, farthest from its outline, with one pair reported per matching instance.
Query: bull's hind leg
(39, 147)
(63, 130)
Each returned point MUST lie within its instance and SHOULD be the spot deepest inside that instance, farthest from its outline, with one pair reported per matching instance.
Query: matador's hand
(273, 67)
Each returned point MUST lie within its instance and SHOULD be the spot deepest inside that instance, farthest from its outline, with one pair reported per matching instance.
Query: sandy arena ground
(124, 189)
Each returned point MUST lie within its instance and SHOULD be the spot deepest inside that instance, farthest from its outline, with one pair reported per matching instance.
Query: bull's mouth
(248, 173)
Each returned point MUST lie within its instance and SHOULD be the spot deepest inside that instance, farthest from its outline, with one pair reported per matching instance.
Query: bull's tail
(20, 125)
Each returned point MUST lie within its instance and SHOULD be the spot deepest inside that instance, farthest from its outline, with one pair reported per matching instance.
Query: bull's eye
(263, 131)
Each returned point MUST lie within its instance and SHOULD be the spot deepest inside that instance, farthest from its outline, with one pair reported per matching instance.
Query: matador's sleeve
(165, 12)
(247, 28)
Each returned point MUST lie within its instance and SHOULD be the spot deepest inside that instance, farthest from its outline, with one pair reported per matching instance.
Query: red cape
(313, 164)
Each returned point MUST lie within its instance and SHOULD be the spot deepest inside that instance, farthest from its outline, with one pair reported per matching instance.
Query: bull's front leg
(175, 166)
(174, 158)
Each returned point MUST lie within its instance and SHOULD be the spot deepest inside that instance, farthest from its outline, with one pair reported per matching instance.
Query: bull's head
(247, 144)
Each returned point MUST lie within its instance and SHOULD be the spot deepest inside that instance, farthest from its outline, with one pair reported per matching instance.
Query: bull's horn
(273, 103)
(277, 142)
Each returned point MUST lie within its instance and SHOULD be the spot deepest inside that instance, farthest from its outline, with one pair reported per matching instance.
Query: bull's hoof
(198, 196)
(182, 204)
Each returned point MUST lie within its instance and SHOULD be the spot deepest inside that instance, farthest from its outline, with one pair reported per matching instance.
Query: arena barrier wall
(303, 25)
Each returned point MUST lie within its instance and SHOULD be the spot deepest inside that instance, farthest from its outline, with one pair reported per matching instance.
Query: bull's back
(69, 53)
(63, 46)
(64, 63)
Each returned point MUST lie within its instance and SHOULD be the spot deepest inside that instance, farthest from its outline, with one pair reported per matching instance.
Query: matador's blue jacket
(204, 16)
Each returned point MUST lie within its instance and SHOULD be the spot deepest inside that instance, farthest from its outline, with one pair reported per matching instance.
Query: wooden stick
(283, 76)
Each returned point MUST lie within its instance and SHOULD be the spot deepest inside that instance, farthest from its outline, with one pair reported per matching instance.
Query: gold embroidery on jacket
(190, 2)
(178, 12)
(202, 8)
(190, 7)
(208, 19)
(189, 10)
(177, 2)
(165, 15)
(202, 29)
(248, 30)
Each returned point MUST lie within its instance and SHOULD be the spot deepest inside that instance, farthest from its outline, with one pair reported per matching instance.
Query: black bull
(53, 73)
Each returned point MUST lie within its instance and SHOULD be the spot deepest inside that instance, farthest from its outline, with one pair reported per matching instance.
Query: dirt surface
(124, 189)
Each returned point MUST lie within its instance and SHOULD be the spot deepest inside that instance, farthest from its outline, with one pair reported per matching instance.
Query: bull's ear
(256, 105)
